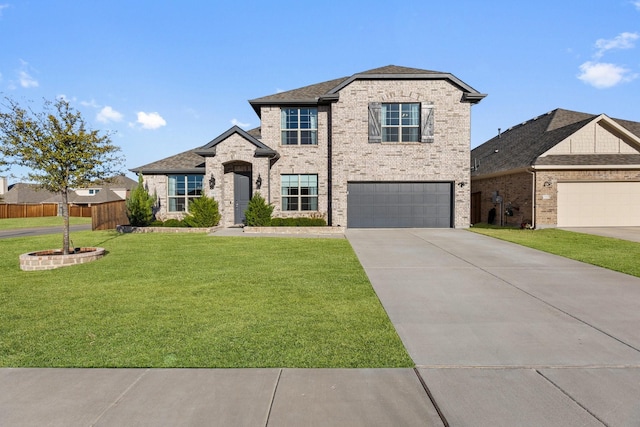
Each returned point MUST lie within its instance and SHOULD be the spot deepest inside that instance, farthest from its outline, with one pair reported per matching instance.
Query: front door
(241, 195)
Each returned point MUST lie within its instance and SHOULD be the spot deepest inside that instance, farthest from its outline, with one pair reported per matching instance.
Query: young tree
(258, 213)
(58, 148)
(140, 205)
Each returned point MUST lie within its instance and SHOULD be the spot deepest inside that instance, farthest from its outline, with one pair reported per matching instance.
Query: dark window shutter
(426, 125)
(375, 111)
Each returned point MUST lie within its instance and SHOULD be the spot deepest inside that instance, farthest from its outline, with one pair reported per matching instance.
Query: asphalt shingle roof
(312, 93)
(187, 162)
(521, 146)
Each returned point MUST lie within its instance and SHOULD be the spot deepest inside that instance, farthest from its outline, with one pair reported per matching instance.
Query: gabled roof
(329, 91)
(193, 161)
(209, 149)
(520, 146)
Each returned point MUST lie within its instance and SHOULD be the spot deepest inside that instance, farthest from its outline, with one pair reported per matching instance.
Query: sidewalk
(214, 397)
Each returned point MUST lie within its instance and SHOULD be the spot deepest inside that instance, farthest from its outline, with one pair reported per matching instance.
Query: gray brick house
(561, 169)
(388, 147)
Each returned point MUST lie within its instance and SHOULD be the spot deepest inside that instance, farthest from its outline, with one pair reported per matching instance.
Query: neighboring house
(561, 169)
(114, 189)
(117, 188)
(387, 147)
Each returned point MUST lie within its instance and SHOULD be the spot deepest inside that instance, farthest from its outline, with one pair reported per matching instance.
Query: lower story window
(182, 190)
(299, 192)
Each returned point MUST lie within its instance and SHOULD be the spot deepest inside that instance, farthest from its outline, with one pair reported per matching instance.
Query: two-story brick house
(387, 147)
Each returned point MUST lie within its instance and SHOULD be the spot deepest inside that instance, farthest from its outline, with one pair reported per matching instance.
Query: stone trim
(50, 259)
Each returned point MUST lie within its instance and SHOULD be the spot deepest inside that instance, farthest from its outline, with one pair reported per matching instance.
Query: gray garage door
(399, 204)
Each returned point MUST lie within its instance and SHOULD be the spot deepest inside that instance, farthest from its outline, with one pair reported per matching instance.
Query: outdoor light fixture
(462, 184)
(259, 182)
(212, 182)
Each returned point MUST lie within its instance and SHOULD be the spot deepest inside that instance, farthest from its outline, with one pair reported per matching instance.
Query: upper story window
(299, 126)
(182, 189)
(400, 122)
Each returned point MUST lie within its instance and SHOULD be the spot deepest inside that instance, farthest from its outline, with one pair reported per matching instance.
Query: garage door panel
(399, 204)
(598, 204)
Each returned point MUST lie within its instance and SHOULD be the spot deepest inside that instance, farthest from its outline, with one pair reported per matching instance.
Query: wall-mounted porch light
(259, 182)
(212, 182)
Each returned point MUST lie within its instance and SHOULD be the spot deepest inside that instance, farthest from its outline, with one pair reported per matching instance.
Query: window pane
(176, 204)
(308, 137)
(309, 204)
(390, 134)
(410, 114)
(410, 134)
(390, 114)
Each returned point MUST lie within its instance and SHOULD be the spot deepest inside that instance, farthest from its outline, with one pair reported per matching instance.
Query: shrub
(298, 222)
(173, 223)
(156, 223)
(258, 213)
(140, 205)
(203, 212)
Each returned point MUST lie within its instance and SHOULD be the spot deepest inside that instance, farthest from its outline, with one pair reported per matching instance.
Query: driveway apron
(506, 335)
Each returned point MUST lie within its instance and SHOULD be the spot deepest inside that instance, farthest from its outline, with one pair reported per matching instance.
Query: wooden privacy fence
(80, 211)
(106, 216)
(24, 210)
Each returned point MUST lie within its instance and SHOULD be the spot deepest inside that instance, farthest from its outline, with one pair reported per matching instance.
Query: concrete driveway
(506, 335)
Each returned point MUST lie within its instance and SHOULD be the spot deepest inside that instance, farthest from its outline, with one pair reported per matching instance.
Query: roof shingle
(521, 146)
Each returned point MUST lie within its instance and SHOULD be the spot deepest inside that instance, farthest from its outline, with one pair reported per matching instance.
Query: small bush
(258, 213)
(140, 205)
(173, 223)
(156, 223)
(203, 212)
(298, 222)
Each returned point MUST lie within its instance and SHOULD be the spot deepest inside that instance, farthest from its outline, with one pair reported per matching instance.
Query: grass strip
(47, 221)
(607, 252)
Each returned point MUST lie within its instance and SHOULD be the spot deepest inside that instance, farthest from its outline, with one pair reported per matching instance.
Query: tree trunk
(65, 217)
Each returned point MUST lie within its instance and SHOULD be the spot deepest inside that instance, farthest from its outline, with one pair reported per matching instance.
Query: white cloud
(26, 81)
(602, 75)
(237, 122)
(150, 120)
(92, 104)
(2, 7)
(636, 3)
(621, 41)
(108, 114)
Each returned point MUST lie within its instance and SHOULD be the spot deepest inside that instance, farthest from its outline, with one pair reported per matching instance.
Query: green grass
(47, 221)
(614, 254)
(191, 300)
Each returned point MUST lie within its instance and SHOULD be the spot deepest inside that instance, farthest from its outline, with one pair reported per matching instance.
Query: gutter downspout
(329, 168)
(533, 197)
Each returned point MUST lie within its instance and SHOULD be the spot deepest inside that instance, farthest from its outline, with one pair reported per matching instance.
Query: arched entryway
(242, 187)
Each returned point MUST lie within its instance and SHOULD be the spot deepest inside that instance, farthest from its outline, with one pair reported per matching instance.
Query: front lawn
(192, 300)
(614, 254)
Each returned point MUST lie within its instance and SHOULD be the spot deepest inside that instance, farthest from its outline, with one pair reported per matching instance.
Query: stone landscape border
(53, 258)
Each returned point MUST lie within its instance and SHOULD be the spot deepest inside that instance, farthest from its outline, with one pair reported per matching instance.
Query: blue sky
(168, 76)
